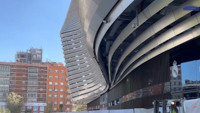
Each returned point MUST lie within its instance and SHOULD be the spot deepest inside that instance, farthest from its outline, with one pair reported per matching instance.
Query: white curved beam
(187, 36)
(92, 14)
(121, 6)
(148, 12)
(156, 27)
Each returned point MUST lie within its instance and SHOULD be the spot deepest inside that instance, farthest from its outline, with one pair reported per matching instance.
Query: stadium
(118, 53)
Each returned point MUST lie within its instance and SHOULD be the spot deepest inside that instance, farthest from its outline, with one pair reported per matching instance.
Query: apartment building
(58, 94)
(4, 82)
(27, 80)
(39, 83)
(31, 56)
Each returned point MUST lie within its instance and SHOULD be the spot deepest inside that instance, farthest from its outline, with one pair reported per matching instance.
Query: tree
(15, 102)
(49, 108)
(4, 110)
(80, 108)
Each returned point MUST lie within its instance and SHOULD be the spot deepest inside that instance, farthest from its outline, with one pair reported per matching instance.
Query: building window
(51, 71)
(54, 109)
(56, 83)
(5, 68)
(61, 90)
(32, 89)
(61, 102)
(50, 96)
(61, 83)
(61, 96)
(23, 108)
(56, 71)
(29, 107)
(56, 89)
(55, 96)
(32, 69)
(68, 109)
(35, 108)
(56, 77)
(42, 77)
(61, 77)
(62, 71)
(41, 108)
(33, 94)
(55, 102)
(68, 103)
(23, 82)
(41, 89)
(50, 89)
(13, 82)
(174, 89)
(50, 83)
(32, 83)
(50, 77)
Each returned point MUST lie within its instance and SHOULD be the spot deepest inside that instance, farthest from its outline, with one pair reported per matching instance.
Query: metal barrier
(139, 110)
(187, 106)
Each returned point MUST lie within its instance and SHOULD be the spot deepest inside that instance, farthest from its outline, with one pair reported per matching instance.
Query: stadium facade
(118, 53)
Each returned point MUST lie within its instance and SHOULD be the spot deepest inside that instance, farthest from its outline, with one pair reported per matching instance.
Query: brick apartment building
(58, 94)
(39, 83)
(27, 80)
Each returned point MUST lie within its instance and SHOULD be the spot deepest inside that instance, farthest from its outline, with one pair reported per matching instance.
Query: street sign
(191, 8)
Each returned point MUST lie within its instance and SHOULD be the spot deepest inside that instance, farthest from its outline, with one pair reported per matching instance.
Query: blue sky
(190, 70)
(32, 23)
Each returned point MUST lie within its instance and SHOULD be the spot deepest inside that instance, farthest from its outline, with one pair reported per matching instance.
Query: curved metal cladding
(84, 75)
(174, 28)
(123, 34)
(158, 27)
